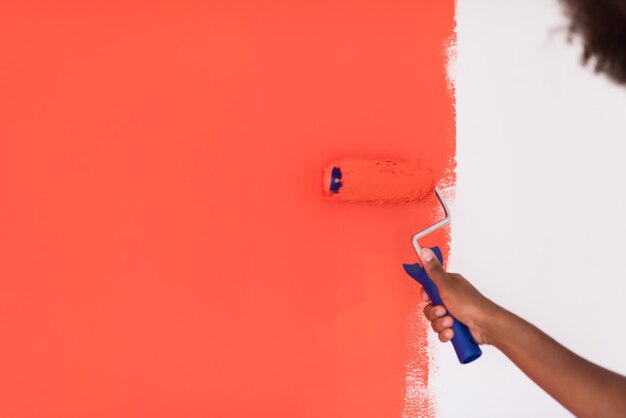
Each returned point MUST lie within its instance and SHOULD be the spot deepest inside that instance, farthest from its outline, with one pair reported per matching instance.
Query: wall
(539, 212)
(165, 249)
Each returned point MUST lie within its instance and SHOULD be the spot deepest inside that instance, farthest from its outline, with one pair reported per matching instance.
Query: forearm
(585, 389)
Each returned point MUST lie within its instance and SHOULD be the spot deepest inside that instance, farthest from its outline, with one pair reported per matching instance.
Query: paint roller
(392, 182)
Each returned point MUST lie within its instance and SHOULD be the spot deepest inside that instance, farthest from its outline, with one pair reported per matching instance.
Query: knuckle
(437, 268)
(439, 274)
(442, 324)
(457, 277)
(438, 325)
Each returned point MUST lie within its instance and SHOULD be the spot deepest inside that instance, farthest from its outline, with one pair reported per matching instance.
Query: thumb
(433, 267)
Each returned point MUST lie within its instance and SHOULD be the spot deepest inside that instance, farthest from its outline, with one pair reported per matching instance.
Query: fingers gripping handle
(466, 348)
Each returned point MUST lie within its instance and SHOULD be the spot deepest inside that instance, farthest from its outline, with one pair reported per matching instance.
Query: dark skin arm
(584, 388)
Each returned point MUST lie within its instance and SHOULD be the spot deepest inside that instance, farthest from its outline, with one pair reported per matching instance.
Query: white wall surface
(540, 210)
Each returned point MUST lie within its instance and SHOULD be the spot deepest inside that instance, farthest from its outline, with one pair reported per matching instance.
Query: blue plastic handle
(466, 348)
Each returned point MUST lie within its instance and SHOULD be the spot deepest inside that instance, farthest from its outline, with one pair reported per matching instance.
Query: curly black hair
(601, 24)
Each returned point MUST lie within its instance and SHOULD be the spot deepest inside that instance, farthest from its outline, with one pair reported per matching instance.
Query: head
(601, 25)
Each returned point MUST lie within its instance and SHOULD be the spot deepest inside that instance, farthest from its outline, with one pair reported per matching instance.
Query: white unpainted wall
(539, 219)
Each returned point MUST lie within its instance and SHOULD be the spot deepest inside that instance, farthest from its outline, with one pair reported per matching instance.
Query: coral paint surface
(165, 248)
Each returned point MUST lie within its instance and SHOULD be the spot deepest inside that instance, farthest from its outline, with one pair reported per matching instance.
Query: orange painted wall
(164, 248)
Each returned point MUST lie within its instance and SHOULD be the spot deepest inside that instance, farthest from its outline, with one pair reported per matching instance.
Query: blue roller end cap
(335, 180)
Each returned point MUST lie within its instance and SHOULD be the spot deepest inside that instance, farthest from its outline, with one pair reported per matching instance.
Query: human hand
(462, 300)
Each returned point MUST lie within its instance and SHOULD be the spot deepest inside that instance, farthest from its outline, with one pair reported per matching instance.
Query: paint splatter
(418, 399)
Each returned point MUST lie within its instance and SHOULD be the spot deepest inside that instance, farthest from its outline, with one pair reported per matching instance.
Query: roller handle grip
(466, 348)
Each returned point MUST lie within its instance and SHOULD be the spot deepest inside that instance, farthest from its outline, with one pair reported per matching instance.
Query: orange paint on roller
(374, 181)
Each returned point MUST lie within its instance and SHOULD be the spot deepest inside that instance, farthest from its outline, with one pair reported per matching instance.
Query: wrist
(496, 325)
(491, 323)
